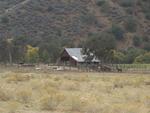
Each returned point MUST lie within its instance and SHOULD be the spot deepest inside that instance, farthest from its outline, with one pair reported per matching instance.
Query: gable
(77, 55)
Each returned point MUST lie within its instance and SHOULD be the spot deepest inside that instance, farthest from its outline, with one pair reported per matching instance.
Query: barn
(74, 57)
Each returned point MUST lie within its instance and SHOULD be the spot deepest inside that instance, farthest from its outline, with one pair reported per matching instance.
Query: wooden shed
(74, 57)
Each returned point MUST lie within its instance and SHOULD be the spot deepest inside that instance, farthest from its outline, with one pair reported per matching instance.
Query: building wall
(67, 59)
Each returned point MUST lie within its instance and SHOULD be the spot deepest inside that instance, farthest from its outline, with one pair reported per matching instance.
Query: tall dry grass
(74, 93)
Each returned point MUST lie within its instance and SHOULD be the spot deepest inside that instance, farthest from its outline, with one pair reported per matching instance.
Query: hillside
(72, 21)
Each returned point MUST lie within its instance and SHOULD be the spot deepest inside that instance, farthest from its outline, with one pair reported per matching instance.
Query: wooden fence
(134, 67)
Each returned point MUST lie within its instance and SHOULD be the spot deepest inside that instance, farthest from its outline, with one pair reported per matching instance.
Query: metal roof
(76, 54)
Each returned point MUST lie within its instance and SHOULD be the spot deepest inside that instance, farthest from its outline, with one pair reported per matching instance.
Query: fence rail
(134, 67)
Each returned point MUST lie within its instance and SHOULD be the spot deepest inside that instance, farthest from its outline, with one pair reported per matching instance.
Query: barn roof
(76, 54)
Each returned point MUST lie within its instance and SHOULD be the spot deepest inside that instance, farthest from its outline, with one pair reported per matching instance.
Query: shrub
(50, 102)
(106, 7)
(130, 10)
(24, 96)
(137, 41)
(117, 31)
(4, 19)
(127, 3)
(70, 86)
(12, 106)
(4, 96)
(100, 2)
(88, 18)
(147, 46)
(16, 77)
(131, 24)
(147, 15)
(76, 104)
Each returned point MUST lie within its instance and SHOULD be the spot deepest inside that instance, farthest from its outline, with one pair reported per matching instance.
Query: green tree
(145, 59)
(132, 53)
(44, 56)
(118, 57)
(32, 54)
(19, 48)
(100, 45)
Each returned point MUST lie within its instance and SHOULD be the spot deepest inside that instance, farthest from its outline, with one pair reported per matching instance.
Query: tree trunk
(10, 56)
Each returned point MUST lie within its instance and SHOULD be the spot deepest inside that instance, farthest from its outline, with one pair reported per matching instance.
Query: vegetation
(127, 3)
(132, 53)
(118, 57)
(51, 26)
(137, 41)
(32, 55)
(118, 32)
(130, 24)
(60, 92)
(143, 58)
(101, 2)
(100, 46)
(5, 19)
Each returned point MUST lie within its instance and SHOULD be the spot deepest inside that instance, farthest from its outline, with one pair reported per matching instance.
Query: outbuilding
(75, 57)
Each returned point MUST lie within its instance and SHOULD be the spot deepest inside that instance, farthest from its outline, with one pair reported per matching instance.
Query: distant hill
(42, 20)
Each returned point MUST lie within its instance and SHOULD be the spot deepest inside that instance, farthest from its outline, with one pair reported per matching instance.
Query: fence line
(134, 67)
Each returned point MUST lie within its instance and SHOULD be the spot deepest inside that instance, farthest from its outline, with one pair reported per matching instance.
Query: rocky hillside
(42, 20)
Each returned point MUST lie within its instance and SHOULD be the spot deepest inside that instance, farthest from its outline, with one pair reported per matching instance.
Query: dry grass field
(62, 92)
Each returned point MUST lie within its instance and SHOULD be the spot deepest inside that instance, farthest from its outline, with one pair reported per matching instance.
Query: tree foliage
(100, 45)
(118, 57)
(145, 59)
(132, 53)
(32, 54)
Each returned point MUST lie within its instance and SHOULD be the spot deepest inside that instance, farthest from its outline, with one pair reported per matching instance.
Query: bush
(131, 24)
(137, 41)
(16, 77)
(147, 15)
(24, 96)
(88, 18)
(5, 19)
(12, 106)
(76, 103)
(100, 2)
(130, 10)
(147, 46)
(127, 3)
(117, 31)
(50, 102)
(106, 7)
(4, 96)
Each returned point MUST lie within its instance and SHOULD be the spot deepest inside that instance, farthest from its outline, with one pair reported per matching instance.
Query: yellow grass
(22, 92)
